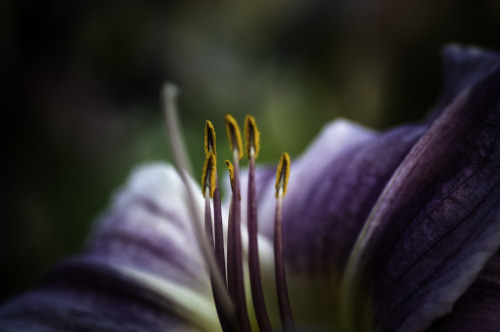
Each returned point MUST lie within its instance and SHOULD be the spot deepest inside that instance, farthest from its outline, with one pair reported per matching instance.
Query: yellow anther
(282, 174)
(252, 136)
(230, 168)
(233, 132)
(209, 138)
(208, 176)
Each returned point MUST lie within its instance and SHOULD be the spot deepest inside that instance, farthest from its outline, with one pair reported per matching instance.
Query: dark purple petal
(331, 191)
(336, 137)
(438, 218)
(142, 270)
(479, 308)
(463, 67)
(437, 223)
(329, 206)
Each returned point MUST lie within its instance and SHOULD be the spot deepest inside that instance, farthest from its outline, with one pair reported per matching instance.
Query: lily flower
(391, 231)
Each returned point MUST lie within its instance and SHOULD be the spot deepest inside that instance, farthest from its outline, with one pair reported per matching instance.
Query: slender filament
(219, 232)
(282, 175)
(227, 323)
(251, 139)
(235, 276)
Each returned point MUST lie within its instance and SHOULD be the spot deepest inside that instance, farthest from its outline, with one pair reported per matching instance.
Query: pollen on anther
(230, 169)
(209, 138)
(282, 174)
(234, 135)
(252, 136)
(208, 176)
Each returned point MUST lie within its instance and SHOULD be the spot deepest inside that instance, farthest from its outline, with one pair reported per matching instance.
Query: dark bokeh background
(80, 82)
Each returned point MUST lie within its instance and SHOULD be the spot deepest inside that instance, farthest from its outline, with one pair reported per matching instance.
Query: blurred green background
(80, 84)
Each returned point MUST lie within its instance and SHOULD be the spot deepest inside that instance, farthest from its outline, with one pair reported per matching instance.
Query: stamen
(169, 94)
(230, 169)
(235, 276)
(208, 177)
(230, 298)
(208, 218)
(233, 132)
(225, 322)
(230, 239)
(209, 138)
(282, 174)
(219, 233)
(252, 136)
(211, 183)
(252, 148)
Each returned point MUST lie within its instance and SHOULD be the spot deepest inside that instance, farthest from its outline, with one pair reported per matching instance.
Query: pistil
(252, 136)
(223, 301)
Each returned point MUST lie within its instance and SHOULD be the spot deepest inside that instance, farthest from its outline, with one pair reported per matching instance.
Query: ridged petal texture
(478, 309)
(437, 222)
(429, 195)
(142, 270)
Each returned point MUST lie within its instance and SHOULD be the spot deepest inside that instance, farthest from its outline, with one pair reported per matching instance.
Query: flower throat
(228, 283)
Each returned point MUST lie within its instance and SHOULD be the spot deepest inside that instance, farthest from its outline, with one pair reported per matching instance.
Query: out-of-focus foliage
(80, 82)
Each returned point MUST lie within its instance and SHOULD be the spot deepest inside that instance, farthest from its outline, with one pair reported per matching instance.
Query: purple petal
(336, 137)
(331, 191)
(143, 270)
(148, 228)
(84, 297)
(438, 222)
(324, 216)
(478, 309)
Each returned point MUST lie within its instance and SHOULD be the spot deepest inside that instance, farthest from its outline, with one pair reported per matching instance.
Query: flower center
(234, 279)
(228, 284)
